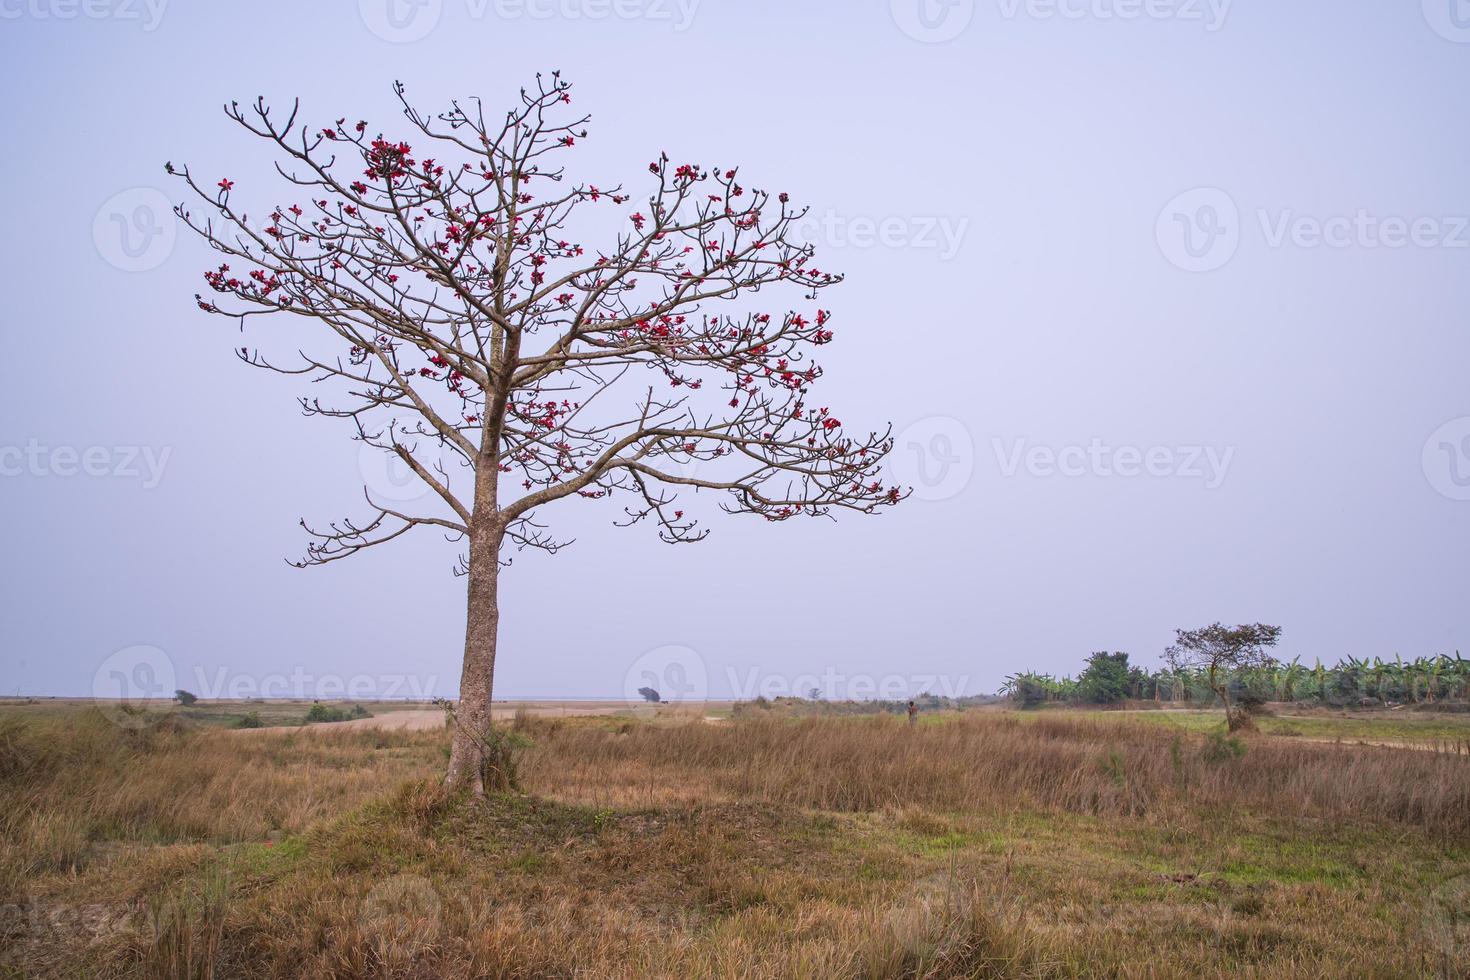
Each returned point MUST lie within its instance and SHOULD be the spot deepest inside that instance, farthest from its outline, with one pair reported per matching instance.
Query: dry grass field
(986, 844)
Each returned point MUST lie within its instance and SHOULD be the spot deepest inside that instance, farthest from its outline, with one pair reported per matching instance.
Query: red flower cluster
(387, 161)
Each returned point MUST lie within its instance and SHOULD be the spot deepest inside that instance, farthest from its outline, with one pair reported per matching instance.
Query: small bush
(500, 763)
(321, 713)
(1220, 747)
(1105, 681)
(251, 720)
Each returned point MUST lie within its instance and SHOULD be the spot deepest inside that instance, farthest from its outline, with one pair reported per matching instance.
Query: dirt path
(412, 720)
(1382, 743)
(422, 720)
(432, 719)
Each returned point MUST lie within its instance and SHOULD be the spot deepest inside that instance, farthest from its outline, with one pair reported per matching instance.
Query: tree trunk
(1233, 719)
(477, 675)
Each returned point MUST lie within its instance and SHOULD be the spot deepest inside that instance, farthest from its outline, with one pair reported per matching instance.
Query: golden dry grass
(1084, 765)
(981, 845)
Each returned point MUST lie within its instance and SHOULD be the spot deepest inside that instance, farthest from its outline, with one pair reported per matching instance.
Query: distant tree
(1105, 680)
(1252, 688)
(649, 694)
(1288, 677)
(1030, 689)
(1141, 684)
(464, 329)
(814, 694)
(319, 712)
(1219, 651)
(184, 697)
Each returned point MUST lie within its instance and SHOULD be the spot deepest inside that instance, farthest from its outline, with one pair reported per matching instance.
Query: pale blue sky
(1305, 403)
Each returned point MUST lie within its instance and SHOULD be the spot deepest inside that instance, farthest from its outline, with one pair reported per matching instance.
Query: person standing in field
(913, 714)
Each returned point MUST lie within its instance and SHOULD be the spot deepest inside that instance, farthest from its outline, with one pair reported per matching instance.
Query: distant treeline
(815, 704)
(1109, 678)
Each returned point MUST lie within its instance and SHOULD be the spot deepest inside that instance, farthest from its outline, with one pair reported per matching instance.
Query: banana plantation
(1349, 683)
